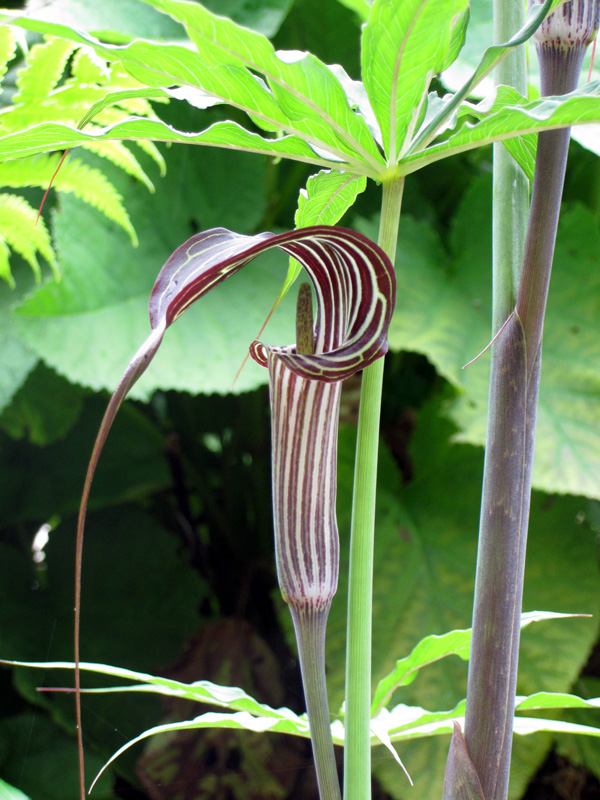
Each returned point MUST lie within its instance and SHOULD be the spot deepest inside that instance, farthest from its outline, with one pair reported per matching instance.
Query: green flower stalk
(355, 288)
(514, 382)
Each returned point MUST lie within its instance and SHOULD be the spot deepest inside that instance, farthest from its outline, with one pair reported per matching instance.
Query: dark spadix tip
(305, 342)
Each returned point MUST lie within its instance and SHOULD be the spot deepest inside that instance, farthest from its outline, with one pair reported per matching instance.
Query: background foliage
(178, 568)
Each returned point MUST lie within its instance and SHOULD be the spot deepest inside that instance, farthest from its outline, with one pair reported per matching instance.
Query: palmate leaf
(305, 89)
(295, 95)
(287, 99)
(401, 723)
(547, 113)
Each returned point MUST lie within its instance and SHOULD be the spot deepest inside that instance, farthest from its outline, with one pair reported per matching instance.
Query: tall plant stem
(357, 749)
(514, 385)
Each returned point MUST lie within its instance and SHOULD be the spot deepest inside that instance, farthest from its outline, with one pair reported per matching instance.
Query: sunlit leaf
(400, 56)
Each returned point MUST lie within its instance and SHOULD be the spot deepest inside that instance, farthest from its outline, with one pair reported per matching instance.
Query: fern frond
(8, 46)
(88, 67)
(122, 157)
(18, 229)
(87, 183)
(59, 82)
(93, 187)
(43, 70)
(5, 273)
(152, 150)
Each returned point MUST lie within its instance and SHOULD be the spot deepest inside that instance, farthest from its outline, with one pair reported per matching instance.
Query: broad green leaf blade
(117, 21)
(55, 136)
(404, 44)
(548, 113)
(17, 358)
(327, 197)
(361, 7)
(433, 648)
(304, 88)
(567, 454)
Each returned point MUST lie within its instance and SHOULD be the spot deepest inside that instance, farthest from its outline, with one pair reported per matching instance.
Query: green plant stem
(357, 749)
(511, 187)
(310, 625)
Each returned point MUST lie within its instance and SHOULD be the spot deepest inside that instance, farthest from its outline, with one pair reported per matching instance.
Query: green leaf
(230, 697)
(433, 648)
(404, 44)
(265, 17)
(491, 57)
(16, 359)
(302, 98)
(361, 7)
(547, 113)
(327, 197)
(229, 135)
(44, 409)
(305, 90)
(579, 750)
(115, 20)
(134, 466)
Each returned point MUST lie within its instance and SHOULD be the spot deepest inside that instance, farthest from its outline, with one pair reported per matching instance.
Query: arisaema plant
(383, 128)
